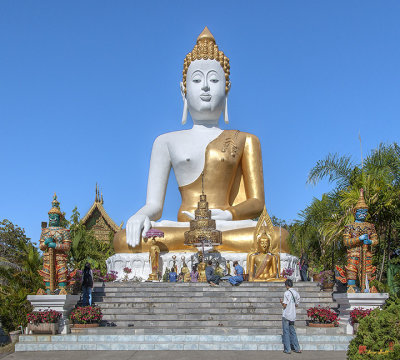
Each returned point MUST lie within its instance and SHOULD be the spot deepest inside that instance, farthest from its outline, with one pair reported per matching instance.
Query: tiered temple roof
(99, 221)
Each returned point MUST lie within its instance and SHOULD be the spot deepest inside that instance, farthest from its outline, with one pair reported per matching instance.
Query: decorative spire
(202, 183)
(55, 206)
(102, 200)
(96, 198)
(361, 201)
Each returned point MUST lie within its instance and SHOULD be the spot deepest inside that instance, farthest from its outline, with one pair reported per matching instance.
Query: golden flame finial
(206, 35)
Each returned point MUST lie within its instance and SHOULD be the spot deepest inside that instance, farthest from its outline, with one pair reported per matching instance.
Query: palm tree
(380, 178)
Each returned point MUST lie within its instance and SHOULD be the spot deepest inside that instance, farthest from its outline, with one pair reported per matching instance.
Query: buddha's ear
(182, 91)
(185, 108)
(228, 88)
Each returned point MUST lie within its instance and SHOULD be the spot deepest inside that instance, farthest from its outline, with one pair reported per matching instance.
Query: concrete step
(176, 342)
(198, 317)
(200, 311)
(198, 330)
(187, 299)
(168, 306)
(206, 288)
(184, 324)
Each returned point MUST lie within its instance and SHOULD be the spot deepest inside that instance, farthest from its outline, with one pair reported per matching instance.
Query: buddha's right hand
(136, 225)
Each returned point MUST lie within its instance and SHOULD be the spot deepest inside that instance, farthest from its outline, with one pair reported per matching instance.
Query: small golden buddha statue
(218, 270)
(201, 268)
(263, 265)
(154, 255)
(185, 271)
(228, 268)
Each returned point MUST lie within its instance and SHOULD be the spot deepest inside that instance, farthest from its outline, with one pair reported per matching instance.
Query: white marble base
(140, 263)
(350, 301)
(62, 303)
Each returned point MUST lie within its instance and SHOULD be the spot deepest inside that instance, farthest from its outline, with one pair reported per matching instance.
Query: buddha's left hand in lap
(216, 214)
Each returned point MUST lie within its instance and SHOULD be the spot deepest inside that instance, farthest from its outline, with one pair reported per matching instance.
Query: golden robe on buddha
(233, 180)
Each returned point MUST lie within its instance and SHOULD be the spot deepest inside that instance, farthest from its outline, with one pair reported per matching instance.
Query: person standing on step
(173, 275)
(290, 301)
(238, 271)
(212, 279)
(87, 285)
(303, 266)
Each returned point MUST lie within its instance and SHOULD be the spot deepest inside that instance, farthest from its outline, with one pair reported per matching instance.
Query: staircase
(195, 316)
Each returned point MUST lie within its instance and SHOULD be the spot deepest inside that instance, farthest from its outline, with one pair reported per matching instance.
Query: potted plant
(126, 271)
(86, 316)
(43, 322)
(314, 272)
(322, 317)
(287, 273)
(327, 280)
(356, 315)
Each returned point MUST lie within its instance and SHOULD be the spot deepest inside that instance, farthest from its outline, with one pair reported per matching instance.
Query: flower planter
(43, 328)
(310, 324)
(14, 336)
(316, 278)
(327, 286)
(84, 326)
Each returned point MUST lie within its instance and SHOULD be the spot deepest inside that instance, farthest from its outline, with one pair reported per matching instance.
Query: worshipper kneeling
(238, 271)
(212, 279)
(172, 275)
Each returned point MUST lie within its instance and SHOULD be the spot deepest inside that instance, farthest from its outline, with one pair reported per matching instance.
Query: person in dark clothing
(303, 266)
(212, 279)
(87, 285)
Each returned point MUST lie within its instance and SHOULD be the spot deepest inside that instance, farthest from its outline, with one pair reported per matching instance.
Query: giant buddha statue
(229, 159)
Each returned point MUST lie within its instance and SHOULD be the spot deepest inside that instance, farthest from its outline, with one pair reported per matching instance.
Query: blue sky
(86, 86)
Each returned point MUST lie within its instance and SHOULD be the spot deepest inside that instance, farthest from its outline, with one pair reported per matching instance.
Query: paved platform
(175, 355)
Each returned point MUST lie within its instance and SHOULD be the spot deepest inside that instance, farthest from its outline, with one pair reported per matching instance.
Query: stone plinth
(141, 267)
(350, 301)
(62, 303)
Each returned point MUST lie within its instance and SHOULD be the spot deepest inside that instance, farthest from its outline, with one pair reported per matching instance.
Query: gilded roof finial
(102, 200)
(202, 183)
(96, 198)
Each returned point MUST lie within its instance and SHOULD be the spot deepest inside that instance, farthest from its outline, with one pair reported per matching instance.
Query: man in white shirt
(290, 301)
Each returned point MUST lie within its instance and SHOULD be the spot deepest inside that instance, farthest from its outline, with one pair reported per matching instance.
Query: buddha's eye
(214, 80)
(196, 81)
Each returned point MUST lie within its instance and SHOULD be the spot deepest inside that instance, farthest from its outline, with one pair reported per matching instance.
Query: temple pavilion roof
(98, 220)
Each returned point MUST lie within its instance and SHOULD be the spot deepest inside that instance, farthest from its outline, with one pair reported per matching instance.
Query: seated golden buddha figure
(230, 160)
(262, 265)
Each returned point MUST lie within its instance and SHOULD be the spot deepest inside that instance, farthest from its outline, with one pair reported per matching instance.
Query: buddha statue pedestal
(141, 266)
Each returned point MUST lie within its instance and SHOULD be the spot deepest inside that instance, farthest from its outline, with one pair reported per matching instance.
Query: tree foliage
(375, 332)
(19, 264)
(321, 224)
(86, 248)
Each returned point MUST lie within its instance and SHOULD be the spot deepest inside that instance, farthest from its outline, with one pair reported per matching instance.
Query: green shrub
(375, 332)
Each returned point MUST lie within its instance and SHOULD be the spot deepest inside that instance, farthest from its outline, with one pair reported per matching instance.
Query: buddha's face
(264, 244)
(205, 90)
